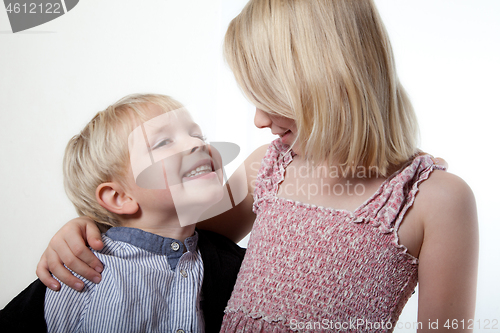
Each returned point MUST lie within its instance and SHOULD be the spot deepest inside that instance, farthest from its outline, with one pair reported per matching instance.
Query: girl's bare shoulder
(445, 198)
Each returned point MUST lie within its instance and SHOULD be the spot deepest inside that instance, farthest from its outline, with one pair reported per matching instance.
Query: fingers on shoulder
(43, 273)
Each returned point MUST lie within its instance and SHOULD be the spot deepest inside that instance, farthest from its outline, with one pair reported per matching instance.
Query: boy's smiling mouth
(199, 169)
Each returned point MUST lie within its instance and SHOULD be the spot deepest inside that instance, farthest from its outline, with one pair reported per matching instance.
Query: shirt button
(175, 246)
(179, 331)
(184, 273)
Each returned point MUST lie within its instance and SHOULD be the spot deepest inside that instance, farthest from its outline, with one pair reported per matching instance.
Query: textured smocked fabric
(311, 268)
(149, 284)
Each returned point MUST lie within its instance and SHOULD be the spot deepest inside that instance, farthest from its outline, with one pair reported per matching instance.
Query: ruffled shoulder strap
(272, 171)
(389, 205)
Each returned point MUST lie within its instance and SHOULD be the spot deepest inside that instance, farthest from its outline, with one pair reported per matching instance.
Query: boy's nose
(261, 119)
(201, 148)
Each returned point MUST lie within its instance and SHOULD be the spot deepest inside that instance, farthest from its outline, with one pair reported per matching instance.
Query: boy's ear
(113, 197)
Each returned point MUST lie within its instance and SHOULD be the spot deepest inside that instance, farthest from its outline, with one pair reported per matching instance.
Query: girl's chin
(287, 138)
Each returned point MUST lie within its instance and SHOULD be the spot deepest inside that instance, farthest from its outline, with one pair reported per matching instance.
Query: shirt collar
(152, 242)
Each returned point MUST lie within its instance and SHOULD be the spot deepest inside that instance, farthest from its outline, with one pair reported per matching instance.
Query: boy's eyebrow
(147, 144)
(154, 129)
(195, 126)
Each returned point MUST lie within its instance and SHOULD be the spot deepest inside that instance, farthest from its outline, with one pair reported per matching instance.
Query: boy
(160, 274)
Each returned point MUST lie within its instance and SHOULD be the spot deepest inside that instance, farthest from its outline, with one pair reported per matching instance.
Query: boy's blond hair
(99, 154)
(327, 64)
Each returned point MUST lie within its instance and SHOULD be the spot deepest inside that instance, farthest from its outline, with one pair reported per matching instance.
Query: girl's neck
(331, 172)
(331, 186)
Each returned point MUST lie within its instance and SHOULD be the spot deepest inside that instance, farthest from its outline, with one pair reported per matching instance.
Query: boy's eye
(200, 136)
(162, 143)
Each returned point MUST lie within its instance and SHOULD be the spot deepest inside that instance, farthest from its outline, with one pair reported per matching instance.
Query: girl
(339, 234)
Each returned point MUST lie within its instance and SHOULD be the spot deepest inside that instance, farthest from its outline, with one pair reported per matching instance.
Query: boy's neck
(169, 228)
(179, 233)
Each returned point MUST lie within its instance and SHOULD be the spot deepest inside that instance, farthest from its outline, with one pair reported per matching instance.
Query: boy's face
(172, 166)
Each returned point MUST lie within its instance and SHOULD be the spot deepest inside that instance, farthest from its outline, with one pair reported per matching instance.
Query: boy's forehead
(158, 118)
(158, 122)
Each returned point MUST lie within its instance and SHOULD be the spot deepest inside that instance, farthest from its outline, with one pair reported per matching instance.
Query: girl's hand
(69, 247)
(438, 160)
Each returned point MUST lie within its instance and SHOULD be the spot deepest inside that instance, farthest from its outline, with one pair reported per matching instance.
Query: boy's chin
(210, 198)
(193, 205)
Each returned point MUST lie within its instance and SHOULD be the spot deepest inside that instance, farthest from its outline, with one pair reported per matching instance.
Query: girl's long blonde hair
(327, 64)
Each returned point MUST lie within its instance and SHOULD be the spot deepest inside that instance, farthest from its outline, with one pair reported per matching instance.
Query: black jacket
(221, 261)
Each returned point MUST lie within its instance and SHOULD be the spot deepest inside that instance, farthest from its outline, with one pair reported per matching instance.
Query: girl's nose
(261, 119)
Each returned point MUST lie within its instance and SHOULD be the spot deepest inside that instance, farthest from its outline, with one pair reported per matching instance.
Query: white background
(55, 77)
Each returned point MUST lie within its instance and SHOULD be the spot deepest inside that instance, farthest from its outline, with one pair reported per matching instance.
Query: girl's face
(286, 128)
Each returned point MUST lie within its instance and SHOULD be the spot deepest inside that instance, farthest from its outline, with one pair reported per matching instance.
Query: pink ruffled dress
(310, 268)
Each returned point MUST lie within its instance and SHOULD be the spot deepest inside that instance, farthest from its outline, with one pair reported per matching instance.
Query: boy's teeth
(199, 170)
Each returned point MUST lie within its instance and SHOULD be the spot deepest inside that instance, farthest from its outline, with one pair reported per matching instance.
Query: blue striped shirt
(149, 284)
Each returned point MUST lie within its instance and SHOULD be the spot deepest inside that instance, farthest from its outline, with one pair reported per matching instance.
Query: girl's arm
(448, 260)
(237, 222)
(69, 246)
